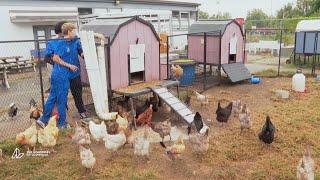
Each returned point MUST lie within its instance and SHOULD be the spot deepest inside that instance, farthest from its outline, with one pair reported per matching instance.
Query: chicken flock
(119, 132)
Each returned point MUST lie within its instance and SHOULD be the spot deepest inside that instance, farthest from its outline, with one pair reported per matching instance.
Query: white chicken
(97, 131)
(29, 137)
(305, 168)
(48, 136)
(142, 145)
(87, 158)
(81, 137)
(114, 141)
(201, 98)
(123, 122)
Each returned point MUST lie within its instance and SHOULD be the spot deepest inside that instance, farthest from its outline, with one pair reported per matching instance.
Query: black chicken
(13, 110)
(155, 102)
(267, 133)
(223, 114)
(197, 120)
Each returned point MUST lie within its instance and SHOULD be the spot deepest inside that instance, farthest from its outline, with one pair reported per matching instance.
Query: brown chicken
(199, 141)
(163, 129)
(154, 100)
(177, 71)
(145, 117)
(35, 111)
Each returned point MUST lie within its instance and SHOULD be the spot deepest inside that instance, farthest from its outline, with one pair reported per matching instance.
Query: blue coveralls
(60, 79)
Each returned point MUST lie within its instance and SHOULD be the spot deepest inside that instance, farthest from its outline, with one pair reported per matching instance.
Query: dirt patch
(230, 156)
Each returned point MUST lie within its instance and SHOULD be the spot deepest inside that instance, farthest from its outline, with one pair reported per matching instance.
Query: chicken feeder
(189, 68)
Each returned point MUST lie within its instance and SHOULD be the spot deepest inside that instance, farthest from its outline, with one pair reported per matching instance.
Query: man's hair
(66, 27)
(57, 28)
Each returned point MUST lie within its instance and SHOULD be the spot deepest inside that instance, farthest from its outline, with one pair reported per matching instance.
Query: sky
(239, 8)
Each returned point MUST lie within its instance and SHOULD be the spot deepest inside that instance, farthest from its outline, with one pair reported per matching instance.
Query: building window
(175, 14)
(185, 15)
(84, 11)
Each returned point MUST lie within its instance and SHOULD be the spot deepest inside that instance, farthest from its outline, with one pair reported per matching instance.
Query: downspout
(95, 65)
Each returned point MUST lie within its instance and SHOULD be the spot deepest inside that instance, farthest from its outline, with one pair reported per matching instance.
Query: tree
(288, 11)
(225, 15)
(203, 15)
(314, 8)
(257, 17)
(304, 6)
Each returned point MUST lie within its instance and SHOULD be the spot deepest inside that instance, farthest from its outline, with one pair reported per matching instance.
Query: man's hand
(73, 68)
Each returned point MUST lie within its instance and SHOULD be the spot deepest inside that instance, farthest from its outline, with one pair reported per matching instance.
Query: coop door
(136, 63)
(233, 49)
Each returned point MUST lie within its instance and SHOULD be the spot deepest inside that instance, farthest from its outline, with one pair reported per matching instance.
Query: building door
(43, 33)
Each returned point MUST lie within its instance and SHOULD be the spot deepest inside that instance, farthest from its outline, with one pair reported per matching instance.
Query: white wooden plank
(179, 106)
(184, 112)
(161, 90)
(172, 100)
(166, 95)
(189, 118)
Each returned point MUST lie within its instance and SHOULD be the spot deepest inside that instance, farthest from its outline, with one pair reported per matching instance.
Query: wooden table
(4, 64)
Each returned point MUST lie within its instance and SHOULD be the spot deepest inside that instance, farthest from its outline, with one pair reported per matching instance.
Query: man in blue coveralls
(65, 56)
(75, 82)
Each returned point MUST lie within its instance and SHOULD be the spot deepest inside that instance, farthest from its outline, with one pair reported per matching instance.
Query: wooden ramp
(236, 72)
(180, 108)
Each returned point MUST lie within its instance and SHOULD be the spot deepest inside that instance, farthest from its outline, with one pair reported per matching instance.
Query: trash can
(189, 68)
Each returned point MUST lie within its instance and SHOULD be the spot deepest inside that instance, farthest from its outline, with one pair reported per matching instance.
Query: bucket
(189, 69)
(255, 80)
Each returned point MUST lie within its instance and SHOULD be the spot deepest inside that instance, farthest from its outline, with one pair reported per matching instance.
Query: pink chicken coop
(132, 53)
(224, 44)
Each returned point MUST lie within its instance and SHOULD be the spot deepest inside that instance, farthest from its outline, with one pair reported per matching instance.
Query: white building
(34, 19)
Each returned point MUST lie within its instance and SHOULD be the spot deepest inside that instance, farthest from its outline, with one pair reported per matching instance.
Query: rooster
(35, 112)
(13, 110)
(305, 168)
(145, 117)
(177, 71)
(267, 133)
(29, 137)
(223, 114)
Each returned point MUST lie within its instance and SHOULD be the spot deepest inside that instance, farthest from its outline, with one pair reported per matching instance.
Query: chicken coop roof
(212, 26)
(110, 27)
(308, 25)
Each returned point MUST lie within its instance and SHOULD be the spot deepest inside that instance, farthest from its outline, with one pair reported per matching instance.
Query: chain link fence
(24, 76)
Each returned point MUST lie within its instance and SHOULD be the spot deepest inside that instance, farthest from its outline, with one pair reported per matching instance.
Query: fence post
(167, 57)
(40, 73)
(205, 61)
(219, 67)
(280, 52)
